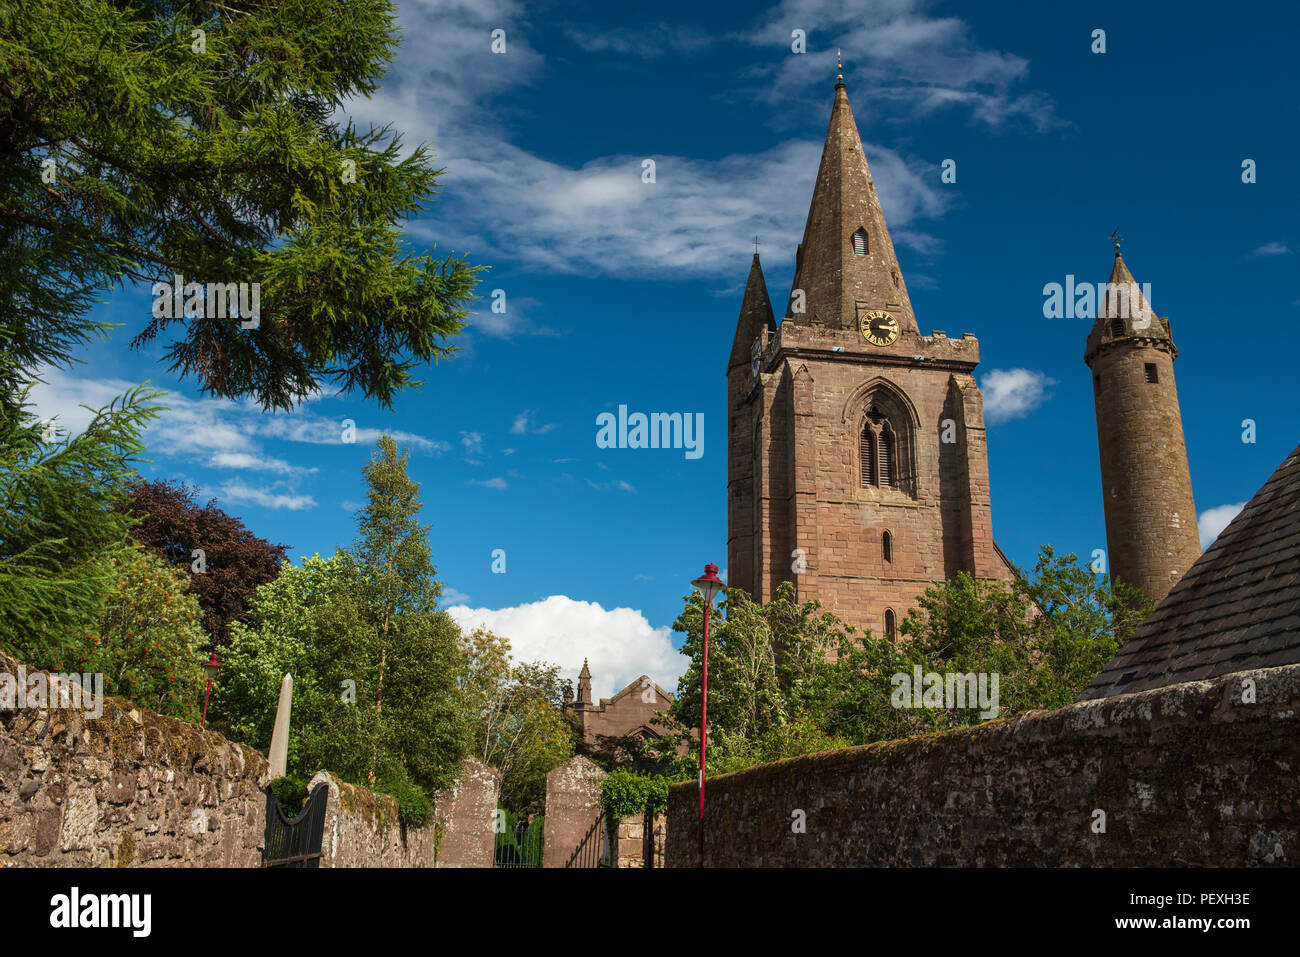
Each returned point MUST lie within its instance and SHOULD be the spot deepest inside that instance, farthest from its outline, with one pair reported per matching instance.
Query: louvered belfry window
(860, 242)
(868, 456)
(878, 452)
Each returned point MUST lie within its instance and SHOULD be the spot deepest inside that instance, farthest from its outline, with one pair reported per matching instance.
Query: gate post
(572, 809)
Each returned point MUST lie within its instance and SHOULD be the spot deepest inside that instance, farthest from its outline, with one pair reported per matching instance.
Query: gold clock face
(879, 328)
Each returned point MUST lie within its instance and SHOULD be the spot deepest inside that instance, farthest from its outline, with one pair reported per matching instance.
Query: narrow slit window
(889, 623)
(860, 242)
(887, 546)
(1153, 374)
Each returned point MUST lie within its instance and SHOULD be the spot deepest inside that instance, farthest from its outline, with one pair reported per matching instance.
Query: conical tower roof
(1123, 312)
(846, 262)
(755, 314)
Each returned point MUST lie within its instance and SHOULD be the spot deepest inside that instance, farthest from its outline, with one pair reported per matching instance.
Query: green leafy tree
(375, 663)
(786, 678)
(149, 641)
(767, 662)
(143, 141)
(516, 718)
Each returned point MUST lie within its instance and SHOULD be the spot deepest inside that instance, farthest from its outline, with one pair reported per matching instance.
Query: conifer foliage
(152, 141)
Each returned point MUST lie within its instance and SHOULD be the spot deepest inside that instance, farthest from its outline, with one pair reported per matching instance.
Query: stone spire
(584, 685)
(755, 315)
(1123, 312)
(839, 276)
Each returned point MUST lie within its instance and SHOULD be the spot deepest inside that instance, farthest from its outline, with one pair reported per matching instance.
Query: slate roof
(1236, 609)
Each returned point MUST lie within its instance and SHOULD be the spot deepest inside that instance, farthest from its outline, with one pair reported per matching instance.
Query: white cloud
(1214, 520)
(1013, 393)
(497, 482)
(473, 442)
(620, 643)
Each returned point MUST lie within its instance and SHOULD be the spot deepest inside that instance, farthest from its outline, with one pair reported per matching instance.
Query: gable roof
(1236, 609)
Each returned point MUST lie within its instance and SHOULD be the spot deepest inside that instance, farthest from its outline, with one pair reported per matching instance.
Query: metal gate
(594, 849)
(520, 845)
(295, 842)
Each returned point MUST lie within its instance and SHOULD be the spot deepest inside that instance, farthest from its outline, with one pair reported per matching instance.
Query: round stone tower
(1151, 535)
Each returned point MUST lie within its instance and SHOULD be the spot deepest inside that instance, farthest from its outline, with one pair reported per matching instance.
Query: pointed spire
(755, 315)
(1123, 312)
(846, 263)
(584, 684)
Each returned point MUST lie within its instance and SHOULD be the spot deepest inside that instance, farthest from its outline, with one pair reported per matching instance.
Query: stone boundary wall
(362, 829)
(133, 788)
(635, 840)
(129, 788)
(1186, 775)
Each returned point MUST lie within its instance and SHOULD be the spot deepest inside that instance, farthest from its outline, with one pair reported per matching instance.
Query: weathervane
(839, 67)
(1116, 238)
(756, 244)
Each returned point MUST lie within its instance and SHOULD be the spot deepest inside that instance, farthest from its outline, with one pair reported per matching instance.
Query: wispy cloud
(497, 482)
(501, 200)
(241, 493)
(523, 424)
(1272, 249)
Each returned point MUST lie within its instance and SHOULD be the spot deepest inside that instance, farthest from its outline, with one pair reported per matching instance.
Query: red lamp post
(709, 585)
(211, 667)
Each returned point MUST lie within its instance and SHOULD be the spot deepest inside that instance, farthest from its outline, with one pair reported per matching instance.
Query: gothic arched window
(889, 624)
(860, 247)
(886, 423)
(887, 546)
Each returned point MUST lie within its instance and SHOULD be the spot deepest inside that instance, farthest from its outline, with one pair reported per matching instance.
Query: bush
(291, 792)
(414, 809)
(625, 792)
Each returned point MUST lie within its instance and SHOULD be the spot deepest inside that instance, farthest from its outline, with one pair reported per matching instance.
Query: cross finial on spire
(839, 68)
(755, 244)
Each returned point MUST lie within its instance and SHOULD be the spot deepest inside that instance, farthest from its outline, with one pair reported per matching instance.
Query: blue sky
(623, 292)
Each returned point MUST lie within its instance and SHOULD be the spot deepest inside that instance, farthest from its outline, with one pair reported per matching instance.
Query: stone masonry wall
(133, 788)
(130, 788)
(362, 830)
(1187, 775)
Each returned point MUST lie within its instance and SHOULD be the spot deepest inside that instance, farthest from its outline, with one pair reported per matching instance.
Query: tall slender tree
(393, 556)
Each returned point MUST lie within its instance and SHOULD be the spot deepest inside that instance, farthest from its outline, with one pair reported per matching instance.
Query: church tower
(1151, 535)
(856, 452)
